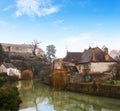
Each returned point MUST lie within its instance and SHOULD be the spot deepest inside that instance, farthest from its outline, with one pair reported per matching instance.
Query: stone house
(92, 62)
(10, 69)
(21, 49)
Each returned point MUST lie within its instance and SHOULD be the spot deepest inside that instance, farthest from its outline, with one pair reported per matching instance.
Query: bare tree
(35, 46)
(117, 58)
(116, 69)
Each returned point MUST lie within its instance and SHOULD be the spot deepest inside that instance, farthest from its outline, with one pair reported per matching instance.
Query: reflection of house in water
(42, 96)
(26, 84)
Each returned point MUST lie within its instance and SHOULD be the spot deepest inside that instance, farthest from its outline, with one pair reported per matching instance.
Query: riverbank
(104, 90)
(41, 97)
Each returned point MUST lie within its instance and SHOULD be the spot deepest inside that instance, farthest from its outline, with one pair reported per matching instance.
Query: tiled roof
(72, 57)
(87, 56)
(21, 48)
(17, 45)
(9, 65)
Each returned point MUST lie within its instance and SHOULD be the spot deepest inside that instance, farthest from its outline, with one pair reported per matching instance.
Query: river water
(39, 97)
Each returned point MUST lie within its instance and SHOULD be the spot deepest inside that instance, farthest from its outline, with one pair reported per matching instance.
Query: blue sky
(70, 25)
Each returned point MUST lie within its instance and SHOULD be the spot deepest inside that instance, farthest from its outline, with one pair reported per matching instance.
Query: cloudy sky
(71, 25)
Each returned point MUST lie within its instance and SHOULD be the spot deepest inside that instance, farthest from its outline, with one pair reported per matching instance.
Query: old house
(21, 49)
(59, 64)
(95, 60)
(10, 69)
(90, 63)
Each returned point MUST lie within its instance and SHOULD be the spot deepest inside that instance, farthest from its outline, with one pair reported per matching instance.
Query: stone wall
(106, 90)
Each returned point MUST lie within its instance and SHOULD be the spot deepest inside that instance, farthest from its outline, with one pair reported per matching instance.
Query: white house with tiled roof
(10, 69)
(92, 60)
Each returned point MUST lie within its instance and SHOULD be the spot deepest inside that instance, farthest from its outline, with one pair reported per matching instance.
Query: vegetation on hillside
(1, 54)
(40, 66)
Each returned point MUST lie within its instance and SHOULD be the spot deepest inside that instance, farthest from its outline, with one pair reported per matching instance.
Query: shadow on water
(39, 97)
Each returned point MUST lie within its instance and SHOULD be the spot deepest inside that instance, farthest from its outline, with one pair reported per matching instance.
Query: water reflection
(39, 97)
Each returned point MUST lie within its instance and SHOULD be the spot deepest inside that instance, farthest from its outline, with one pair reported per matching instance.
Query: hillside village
(19, 57)
(92, 63)
(84, 72)
(60, 55)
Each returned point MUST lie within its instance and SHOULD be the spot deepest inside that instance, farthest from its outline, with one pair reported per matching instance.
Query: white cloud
(78, 39)
(35, 7)
(8, 8)
(58, 21)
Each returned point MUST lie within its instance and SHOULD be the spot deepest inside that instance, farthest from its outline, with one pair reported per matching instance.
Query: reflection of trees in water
(73, 101)
(26, 85)
(32, 93)
(59, 99)
(64, 101)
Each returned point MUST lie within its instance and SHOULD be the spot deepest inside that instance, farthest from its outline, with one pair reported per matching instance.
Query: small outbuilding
(10, 69)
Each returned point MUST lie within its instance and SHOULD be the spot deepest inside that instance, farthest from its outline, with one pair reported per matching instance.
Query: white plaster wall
(3, 68)
(80, 68)
(100, 67)
(10, 71)
(13, 71)
(57, 64)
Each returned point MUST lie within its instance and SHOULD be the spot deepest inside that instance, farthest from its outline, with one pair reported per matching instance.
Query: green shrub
(3, 79)
(9, 99)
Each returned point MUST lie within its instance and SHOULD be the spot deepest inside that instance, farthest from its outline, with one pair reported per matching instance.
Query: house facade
(90, 62)
(21, 49)
(10, 69)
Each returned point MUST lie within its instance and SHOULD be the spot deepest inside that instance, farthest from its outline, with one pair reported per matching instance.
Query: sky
(69, 25)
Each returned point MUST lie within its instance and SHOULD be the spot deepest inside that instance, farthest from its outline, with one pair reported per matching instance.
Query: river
(40, 97)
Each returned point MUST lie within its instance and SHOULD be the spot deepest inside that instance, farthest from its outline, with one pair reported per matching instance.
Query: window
(86, 66)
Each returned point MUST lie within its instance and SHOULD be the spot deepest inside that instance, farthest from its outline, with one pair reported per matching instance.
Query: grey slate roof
(9, 65)
(72, 57)
(87, 55)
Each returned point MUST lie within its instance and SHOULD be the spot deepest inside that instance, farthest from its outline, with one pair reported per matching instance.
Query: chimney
(106, 54)
(93, 54)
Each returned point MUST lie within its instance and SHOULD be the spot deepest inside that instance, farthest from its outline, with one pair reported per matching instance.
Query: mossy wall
(112, 91)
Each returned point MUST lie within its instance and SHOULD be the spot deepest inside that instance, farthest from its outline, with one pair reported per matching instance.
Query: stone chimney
(93, 54)
(106, 54)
